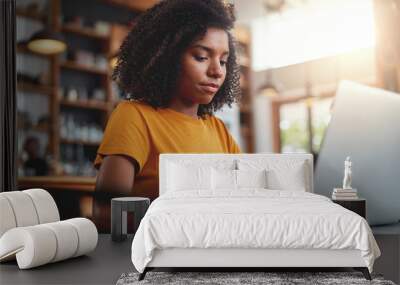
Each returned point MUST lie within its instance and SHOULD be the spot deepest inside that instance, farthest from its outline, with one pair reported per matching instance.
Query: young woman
(178, 66)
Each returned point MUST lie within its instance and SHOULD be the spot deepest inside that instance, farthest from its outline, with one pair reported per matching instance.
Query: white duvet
(252, 218)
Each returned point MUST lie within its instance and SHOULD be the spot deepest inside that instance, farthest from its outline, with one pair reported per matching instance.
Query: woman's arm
(116, 175)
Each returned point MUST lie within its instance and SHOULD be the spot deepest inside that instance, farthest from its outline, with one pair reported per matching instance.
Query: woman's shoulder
(131, 112)
(132, 109)
(214, 120)
(131, 105)
(216, 123)
(224, 133)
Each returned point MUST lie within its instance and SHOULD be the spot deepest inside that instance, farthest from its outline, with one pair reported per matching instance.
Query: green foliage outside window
(294, 137)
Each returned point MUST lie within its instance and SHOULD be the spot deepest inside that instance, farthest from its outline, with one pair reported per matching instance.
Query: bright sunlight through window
(320, 28)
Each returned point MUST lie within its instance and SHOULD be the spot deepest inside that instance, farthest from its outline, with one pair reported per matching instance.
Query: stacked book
(344, 194)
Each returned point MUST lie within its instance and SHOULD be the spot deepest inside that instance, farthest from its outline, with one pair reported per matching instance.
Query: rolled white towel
(7, 218)
(26, 208)
(66, 238)
(87, 234)
(45, 205)
(23, 208)
(33, 246)
(40, 244)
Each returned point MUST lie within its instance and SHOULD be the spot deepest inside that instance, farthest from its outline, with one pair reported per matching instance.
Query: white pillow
(251, 178)
(181, 177)
(236, 179)
(288, 174)
(293, 178)
(223, 179)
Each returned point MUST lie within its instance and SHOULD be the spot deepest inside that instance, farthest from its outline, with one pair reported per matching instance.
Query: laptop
(365, 125)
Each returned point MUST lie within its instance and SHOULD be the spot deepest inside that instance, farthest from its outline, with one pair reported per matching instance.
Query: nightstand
(358, 206)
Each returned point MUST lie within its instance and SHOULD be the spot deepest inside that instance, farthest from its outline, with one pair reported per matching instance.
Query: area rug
(269, 278)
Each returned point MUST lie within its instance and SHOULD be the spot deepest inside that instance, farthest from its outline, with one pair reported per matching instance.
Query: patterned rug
(269, 278)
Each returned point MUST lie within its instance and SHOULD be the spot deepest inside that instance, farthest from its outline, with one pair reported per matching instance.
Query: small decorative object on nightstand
(347, 196)
(347, 174)
(119, 209)
(346, 192)
(358, 205)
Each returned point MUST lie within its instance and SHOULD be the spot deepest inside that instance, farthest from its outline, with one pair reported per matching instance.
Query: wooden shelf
(134, 5)
(41, 17)
(89, 104)
(40, 129)
(84, 31)
(83, 68)
(35, 88)
(81, 142)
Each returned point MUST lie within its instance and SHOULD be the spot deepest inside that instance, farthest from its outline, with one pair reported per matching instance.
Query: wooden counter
(73, 194)
(64, 183)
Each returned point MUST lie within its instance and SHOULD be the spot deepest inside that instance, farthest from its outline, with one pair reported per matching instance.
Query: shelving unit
(104, 44)
(35, 88)
(67, 74)
(243, 38)
(49, 89)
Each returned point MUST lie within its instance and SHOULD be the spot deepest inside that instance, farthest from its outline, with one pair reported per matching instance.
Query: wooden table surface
(73, 183)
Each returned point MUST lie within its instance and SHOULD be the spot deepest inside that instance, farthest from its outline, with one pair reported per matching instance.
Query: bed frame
(250, 258)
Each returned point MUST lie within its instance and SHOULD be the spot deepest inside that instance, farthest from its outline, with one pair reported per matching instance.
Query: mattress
(251, 219)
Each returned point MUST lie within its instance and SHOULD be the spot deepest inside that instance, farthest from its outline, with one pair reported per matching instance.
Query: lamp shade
(47, 42)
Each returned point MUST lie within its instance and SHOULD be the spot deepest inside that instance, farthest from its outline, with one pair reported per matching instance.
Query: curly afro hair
(149, 59)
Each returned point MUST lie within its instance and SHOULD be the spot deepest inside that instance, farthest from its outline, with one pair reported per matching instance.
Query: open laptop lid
(365, 125)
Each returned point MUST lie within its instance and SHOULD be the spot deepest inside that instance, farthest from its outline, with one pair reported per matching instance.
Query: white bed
(203, 220)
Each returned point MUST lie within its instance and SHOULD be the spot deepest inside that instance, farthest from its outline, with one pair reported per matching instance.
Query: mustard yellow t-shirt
(142, 132)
